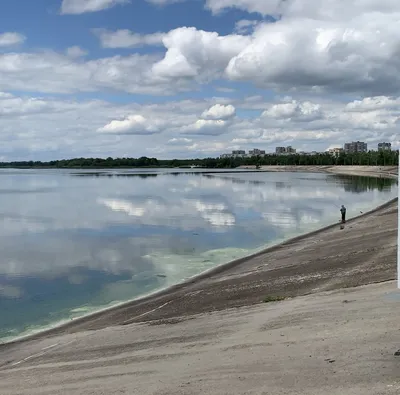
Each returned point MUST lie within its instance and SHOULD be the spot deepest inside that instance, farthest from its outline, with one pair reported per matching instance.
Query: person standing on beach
(343, 212)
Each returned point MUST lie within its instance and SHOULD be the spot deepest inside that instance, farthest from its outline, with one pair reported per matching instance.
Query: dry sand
(215, 336)
(336, 343)
(372, 171)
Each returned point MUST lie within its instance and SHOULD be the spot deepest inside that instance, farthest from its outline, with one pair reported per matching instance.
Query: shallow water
(73, 242)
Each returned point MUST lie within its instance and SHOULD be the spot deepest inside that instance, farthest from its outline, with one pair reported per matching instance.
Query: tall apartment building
(384, 146)
(335, 151)
(235, 154)
(256, 152)
(239, 152)
(285, 150)
(355, 146)
(280, 150)
(290, 150)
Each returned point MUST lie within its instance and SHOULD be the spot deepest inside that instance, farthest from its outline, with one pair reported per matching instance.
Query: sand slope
(371, 171)
(336, 343)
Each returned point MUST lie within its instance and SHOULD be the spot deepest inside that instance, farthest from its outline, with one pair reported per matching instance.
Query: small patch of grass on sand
(273, 298)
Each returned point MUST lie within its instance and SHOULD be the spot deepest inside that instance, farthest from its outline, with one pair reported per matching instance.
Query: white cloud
(197, 54)
(271, 7)
(75, 52)
(210, 148)
(245, 26)
(133, 124)
(179, 141)
(296, 54)
(51, 72)
(127, 39)
(164, 2)
(50, 128)
(327, 10)
(373, 103)
(219, 111)
(11, 38)
(225, 89)
(373, 113)
(306, 53)
(207, 127)
(305, 111)
(83, 6)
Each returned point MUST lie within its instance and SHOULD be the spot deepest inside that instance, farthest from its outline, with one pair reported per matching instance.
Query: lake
(73, 241)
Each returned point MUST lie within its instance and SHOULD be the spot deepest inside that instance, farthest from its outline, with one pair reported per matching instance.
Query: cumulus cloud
(75, 52)
(219, 111)
(272, 7)
(11, 38)
(126, 39)
(311, 50)
(311, 47)
(207, 127)
(179, 141)
(300, 111)
(327, 10)
(296, 54)
(83, 6)
(164, 2)
(373, 113)
(245, 26)
(133, 124)
(307, 53)
(197, 54)
(50, 127)
(373, 104)
(52, 72)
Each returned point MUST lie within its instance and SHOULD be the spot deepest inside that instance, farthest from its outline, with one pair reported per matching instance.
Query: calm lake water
(73, 242)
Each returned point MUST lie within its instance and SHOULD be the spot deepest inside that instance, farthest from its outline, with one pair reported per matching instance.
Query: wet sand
(214, 334)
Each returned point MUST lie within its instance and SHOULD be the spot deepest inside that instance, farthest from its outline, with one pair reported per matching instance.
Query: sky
(195, 78)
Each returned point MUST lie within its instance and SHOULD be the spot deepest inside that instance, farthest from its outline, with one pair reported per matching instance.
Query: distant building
(309, 153)
(336, 151)
(355, 146)
(285, 150)
(256, 152)
(234, 154)
(290, 150)
(280, 150)
(384, 147)
(239, 152)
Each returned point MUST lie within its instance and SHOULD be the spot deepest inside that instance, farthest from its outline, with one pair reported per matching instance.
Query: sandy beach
(334, 330)
(369, 171)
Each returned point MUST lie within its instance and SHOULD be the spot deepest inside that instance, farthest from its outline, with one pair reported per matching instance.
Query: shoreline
(387, 171)
(90, 321)
(367, 171)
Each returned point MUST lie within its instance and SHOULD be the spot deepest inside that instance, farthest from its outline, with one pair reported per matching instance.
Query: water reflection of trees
(354, 184)
(234, 180)
(357, 184)
(111, 175)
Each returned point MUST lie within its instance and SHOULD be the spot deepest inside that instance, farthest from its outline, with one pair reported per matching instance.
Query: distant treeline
(371, 158)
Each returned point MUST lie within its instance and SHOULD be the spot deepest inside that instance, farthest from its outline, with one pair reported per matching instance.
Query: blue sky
(195, 78)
